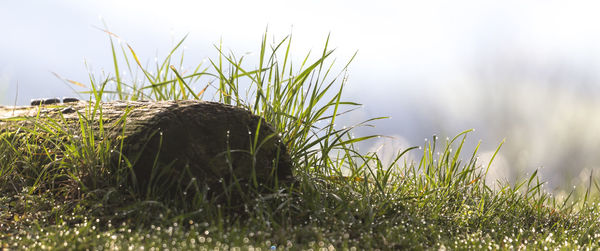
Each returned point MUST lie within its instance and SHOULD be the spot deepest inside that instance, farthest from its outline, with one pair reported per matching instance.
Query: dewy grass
(61, 191)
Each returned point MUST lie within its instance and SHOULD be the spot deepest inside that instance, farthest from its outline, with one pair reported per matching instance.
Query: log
(207, 141)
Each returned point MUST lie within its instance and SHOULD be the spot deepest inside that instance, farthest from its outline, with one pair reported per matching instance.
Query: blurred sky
(526, 71)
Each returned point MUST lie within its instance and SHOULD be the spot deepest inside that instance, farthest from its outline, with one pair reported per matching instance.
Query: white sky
(429, 41)
(410, 52)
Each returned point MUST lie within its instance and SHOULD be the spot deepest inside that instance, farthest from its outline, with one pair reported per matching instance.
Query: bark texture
(210, 142)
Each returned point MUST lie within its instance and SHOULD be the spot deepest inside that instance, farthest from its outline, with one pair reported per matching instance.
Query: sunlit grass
(61, 191)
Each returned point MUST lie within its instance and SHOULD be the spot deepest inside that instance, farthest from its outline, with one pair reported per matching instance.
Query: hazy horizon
(521, 70)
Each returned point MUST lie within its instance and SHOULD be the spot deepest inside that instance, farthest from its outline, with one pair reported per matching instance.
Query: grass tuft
(61, 190)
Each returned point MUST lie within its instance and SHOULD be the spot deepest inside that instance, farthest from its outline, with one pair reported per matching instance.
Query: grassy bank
(60, 190)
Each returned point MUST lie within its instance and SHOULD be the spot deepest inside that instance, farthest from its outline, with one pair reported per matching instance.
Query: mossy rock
(171, 144)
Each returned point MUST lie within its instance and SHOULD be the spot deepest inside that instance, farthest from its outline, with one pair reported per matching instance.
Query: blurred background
(524, 71)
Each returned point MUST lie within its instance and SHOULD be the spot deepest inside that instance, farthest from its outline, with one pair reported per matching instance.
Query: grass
(60, 190)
